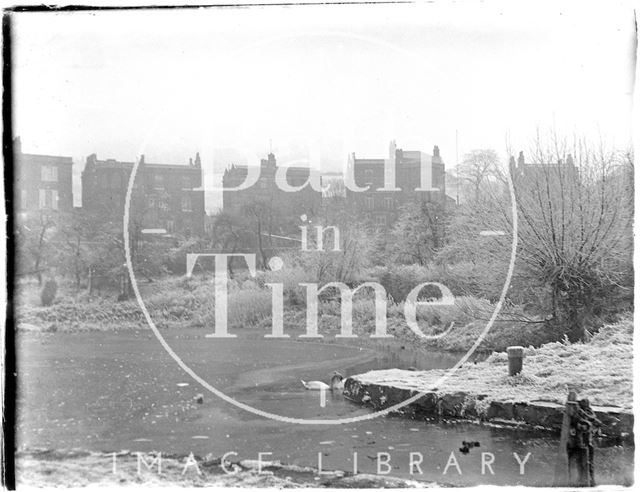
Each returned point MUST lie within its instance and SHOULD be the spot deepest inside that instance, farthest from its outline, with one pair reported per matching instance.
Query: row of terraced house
(170, 195)
(173, 199)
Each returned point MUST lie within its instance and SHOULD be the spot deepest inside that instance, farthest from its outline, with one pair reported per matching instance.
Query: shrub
(399, 280)
(501, 335)
(290, 277)
(176, 258)
(49, 291)
(248, 307)
(244, 308)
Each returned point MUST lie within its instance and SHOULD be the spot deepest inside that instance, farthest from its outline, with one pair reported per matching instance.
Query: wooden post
(515, 354)
(561, 476)
(572, 466)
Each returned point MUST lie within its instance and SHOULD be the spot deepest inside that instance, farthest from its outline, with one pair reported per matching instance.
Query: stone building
(283, 207)
(563, 167)
(382, 208)
(165, 196)
(42, 182)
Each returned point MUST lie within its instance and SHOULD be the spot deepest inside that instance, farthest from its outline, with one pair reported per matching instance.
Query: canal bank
(530, 393)
(384, 389)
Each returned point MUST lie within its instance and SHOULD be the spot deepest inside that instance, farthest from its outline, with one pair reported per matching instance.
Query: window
(381, 220)
(186, 204)
(186, 181)
(368, 176)
(388, 203)
(170, 226)
(54, 199)
(151, 202)
(158, 181)
(49, 173)
(48, 199)
(163, 204)
(368, 202)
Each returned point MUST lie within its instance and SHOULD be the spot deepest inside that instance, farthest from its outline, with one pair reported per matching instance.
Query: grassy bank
(172, 302)
(601, 370)
(177, 302)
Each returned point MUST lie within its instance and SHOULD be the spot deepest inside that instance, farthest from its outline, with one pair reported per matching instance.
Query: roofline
(47, 156)
(182, 167)
(291, 168)
(381, 160)
(113, 162)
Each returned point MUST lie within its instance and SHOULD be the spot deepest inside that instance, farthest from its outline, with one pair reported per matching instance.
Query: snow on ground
(76, 468)
(601, 370)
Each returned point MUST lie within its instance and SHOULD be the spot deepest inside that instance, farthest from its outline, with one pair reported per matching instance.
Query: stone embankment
(379, 391)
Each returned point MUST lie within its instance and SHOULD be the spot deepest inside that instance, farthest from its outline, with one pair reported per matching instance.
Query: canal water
(117, 391)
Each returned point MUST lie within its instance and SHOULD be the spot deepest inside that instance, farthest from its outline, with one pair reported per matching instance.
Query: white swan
(315, 385)
(337, 383)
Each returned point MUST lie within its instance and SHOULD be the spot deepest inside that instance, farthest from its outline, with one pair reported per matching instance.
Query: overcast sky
(319, 81)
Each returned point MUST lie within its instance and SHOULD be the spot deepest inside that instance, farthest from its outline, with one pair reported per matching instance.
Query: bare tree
(575, 211)
(77, 245)
(477, 167)
(261, 217)
(226, 232)
(418, 234)
(34, 234)
(229, 235)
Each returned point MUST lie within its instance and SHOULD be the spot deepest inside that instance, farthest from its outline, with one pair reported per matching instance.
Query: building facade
(562, 168)
(165, 196)
(42, 182)
(381, 208)
(285, 207)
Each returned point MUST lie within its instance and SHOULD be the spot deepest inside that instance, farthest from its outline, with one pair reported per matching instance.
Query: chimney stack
(392, 149)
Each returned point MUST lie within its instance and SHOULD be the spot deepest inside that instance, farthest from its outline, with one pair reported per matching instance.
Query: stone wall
(548, 415)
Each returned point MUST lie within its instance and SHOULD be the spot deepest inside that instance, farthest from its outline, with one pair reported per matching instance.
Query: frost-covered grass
(601, 370)
(501, 335)
(172, 302)
(77, 468)
(469, 316)
(82, 469)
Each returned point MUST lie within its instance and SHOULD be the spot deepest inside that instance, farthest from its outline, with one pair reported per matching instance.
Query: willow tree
(574, 204)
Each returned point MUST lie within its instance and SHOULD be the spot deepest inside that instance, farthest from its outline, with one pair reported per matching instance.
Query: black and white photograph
(319, 245)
